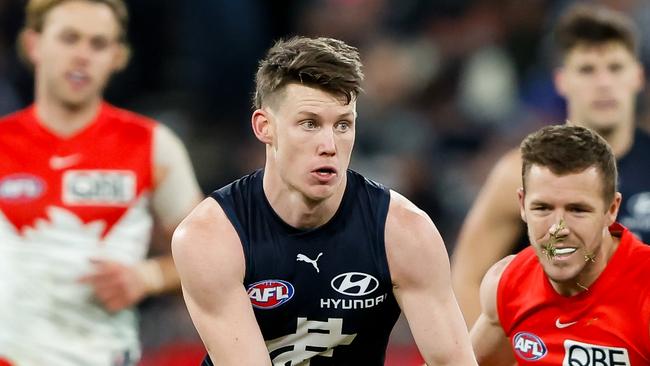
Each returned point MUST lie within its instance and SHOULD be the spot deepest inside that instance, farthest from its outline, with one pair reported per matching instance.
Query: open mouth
(563, 253)
(324, 174)
(77, 78)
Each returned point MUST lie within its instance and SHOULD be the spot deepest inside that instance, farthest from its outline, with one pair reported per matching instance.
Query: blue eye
(342, 126)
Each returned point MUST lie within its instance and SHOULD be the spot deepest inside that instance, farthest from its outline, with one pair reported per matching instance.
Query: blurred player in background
(599, 76)
(81, 183)
(579, 294)
(305, 261)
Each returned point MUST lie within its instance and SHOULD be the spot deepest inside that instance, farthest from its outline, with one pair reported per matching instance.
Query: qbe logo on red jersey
(585, 354)
(98, 187)
(269, 294)
(529, 346)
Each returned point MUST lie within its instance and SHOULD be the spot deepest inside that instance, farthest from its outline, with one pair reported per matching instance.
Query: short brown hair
(566, 149)
(37, 10)
(325, 63)
(591, 25)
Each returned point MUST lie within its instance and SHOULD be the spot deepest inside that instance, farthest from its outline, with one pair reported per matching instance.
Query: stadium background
(450, 85)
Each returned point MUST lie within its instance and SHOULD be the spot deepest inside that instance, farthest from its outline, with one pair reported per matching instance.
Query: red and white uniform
(64, 201)
(607, 325)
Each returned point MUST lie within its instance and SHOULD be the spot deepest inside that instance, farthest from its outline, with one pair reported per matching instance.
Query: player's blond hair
(36, 12)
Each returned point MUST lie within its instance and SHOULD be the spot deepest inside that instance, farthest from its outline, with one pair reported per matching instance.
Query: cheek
(538, 226)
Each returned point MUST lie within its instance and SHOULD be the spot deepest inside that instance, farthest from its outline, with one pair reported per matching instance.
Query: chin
(566, 274)
(320, 193)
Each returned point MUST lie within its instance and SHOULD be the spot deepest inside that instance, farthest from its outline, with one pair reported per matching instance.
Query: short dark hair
(591, 25)
(566, 149)
(325, 63)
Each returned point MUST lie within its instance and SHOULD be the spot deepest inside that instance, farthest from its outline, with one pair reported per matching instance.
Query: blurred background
(450, 86)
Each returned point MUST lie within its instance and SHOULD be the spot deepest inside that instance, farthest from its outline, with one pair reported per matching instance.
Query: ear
(122, 57)
(612, 211)
(521, 196)
(262, 126)
(29, 41)
(559, 79)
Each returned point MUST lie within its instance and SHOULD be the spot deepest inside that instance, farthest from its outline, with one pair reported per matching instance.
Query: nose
(604, 78)
(327, 142)
(82, 52)
(558, 229)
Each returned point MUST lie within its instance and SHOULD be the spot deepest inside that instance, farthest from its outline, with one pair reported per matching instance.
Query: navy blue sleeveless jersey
(322, 295)
(634, 185)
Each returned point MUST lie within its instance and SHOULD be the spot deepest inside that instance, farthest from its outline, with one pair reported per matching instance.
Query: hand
(116, 286)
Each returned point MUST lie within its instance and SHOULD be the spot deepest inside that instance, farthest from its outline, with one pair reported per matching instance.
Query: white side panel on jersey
(46, 316)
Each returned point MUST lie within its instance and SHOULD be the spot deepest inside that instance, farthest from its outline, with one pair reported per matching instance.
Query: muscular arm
(488, 233)
(176, 193)
(210, 260)
(420, 273)
(489, 341)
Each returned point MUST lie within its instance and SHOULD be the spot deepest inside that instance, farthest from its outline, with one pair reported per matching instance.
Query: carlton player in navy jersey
(599, 75)
(306, 262)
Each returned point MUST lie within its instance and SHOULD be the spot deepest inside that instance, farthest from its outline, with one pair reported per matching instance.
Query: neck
(620, 137)
(65, 119)
(294, 208)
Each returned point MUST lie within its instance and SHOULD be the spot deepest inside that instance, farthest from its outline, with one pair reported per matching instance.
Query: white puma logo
(304, 258)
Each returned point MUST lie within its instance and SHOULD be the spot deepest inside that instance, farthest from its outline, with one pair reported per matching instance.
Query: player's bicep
(210, 261)
(489, 341)
(419, 268)
(176, 190)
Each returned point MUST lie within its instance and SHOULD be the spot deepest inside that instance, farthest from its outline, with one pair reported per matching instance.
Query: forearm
(159, 275)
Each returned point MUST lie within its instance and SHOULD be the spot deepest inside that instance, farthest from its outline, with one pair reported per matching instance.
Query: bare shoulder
(414, 247)
(493, 275)
(406, 220)
(205, 219)
(206, 241)
(498, 197)
(489, 287)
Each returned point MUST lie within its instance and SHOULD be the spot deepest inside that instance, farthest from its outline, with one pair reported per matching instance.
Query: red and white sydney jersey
(64, 201)
(607, 325)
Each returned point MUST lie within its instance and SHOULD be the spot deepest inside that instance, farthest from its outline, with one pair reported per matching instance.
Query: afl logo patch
(269, 294)
(20, 188)
(529, 346)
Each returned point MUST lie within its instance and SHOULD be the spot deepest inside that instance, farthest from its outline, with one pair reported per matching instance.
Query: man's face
(312, 137)
(569, 212)
(76, 52)
(600, 84)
